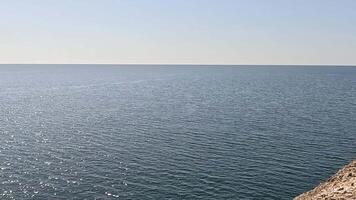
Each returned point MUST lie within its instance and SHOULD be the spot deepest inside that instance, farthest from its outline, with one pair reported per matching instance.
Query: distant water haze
(173, 132)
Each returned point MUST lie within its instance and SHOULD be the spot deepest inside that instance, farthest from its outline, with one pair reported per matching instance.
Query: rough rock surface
(340, 186)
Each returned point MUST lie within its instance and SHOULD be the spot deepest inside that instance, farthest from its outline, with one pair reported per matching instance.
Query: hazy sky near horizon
(178, 31)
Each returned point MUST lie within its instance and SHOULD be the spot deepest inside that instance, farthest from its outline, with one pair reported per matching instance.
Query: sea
(173, 131)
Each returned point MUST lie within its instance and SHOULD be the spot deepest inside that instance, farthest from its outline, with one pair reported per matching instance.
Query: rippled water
(172, 132)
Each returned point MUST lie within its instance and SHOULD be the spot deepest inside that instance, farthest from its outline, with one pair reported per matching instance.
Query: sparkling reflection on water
(172, 132)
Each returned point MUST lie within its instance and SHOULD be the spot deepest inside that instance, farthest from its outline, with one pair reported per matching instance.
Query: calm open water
(173, 132)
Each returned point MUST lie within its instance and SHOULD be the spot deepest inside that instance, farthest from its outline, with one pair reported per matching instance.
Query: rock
(340, 186)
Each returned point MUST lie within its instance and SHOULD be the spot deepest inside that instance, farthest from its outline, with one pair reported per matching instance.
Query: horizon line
(183, 64)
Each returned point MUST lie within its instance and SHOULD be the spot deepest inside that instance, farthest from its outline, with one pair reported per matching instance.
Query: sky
(297, 32)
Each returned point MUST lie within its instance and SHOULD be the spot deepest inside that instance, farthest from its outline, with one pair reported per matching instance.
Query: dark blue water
(172, 132)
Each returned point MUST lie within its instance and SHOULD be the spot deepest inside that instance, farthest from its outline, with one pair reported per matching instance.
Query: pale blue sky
(178, 31)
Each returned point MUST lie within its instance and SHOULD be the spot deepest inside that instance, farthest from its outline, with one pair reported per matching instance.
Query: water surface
(173, 132)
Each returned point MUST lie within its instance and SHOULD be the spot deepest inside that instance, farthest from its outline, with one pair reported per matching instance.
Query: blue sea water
(173, 132)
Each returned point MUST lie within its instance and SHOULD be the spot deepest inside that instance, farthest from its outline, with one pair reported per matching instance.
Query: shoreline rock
(342, 185)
